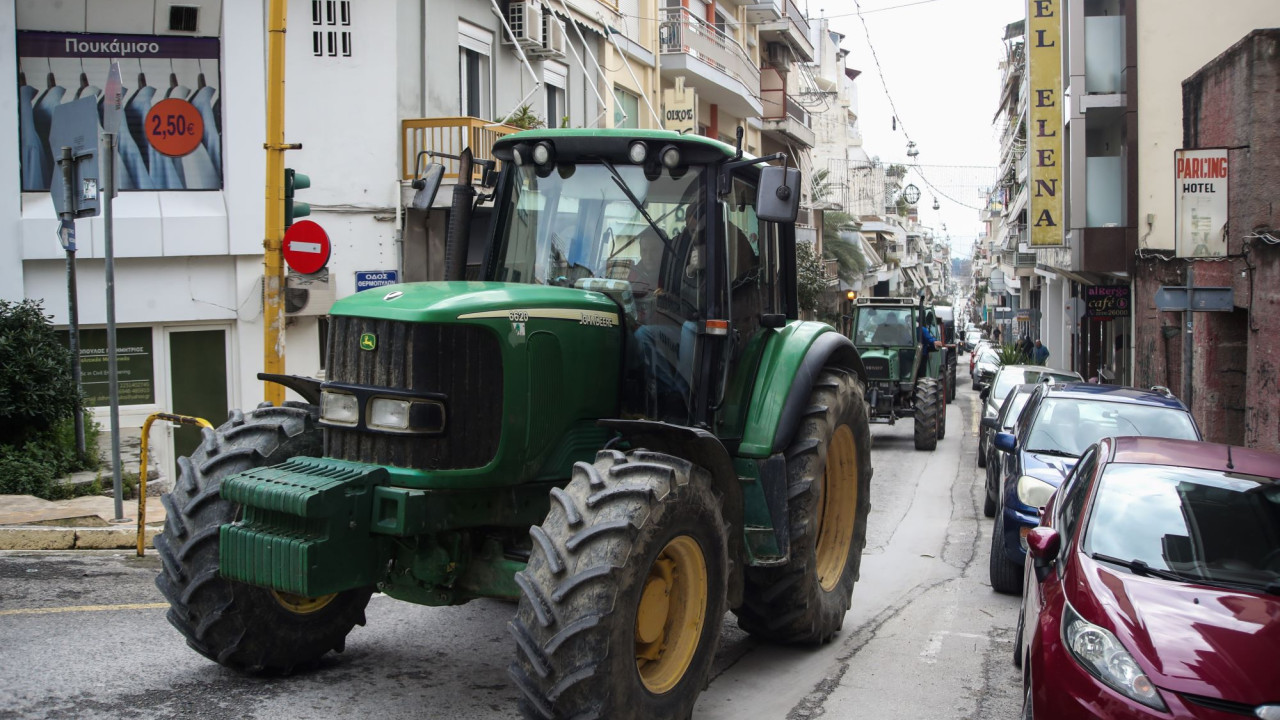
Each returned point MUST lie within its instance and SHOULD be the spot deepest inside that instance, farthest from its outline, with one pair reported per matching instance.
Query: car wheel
(1017, 638)
(982, 449)
(1006, 577)
(988, 503)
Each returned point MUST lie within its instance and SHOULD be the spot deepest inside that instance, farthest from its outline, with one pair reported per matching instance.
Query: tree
(811, 279)
(846, 253)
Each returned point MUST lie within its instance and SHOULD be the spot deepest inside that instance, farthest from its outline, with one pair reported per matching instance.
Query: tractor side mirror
(427, 185)
(1043, 544)
(1006, 442)
(778, 194)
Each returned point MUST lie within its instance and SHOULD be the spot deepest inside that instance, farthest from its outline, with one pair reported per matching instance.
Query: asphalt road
(83, 634)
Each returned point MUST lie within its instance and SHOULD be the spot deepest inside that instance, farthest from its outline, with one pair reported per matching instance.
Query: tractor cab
(903, 374)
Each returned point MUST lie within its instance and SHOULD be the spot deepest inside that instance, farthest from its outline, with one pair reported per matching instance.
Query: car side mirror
(990, 423)
(1006, 442)
(1043, 545)
(985, 393)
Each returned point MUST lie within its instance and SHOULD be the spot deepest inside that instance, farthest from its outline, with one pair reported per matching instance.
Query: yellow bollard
(142, 470)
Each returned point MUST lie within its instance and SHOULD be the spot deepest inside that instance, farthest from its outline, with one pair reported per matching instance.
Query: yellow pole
(273, 277)
(142, 466)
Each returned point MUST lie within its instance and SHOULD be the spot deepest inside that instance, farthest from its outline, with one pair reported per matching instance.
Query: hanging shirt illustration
(35, 172)
(131, 168)
(135, 118)
(205, 101)
(42, 112)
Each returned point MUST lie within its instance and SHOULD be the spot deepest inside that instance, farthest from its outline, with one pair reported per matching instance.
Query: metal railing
(777, 102)
(142, 466)
(797, 18)
(449, 135)
(682, 32)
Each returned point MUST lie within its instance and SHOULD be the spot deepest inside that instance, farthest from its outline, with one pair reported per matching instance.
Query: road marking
(84, 608)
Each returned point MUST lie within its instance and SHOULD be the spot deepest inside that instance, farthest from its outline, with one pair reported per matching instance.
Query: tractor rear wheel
(246, 628)
(927, 403)
(829, 498)
(623, 597)
(943, 391)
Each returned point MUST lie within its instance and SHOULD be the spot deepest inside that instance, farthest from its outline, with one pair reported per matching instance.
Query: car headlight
(339, 408)
(1100, 652)
(389, 414)
(1034, 491)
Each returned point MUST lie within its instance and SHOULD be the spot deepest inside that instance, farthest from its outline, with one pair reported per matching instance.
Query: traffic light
(294, 181)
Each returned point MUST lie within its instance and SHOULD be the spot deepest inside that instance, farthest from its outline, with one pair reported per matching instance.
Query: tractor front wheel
(622, 599)
(829, 498)
(246, 628)
(928, 405)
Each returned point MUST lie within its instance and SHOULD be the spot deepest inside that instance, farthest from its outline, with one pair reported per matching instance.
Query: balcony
(449, 135)
(782, 114)
(781, 21)
(711, 62)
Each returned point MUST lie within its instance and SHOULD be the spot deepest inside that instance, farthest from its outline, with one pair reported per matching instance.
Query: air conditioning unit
(526, 20)
(780, 55)
(553, 36)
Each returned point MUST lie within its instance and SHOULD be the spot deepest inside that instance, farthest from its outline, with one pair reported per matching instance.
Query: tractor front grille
(461, 361)
(877, 367)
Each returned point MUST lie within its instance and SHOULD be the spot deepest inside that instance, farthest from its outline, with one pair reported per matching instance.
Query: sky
(940, 64)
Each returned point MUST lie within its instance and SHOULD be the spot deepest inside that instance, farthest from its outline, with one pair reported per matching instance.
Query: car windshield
(884, 326)
(1206, 525)
(1009, 378)
(576, 223)
(1069, 425)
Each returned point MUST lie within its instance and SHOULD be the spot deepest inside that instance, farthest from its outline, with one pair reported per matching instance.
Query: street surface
(83, 634)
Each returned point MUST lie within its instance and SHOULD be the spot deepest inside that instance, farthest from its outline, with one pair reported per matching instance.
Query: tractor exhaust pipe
(458, 232)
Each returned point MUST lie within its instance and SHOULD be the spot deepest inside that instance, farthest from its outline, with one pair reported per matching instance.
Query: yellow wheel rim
(299, 605)
(672, 610)
(838, 507)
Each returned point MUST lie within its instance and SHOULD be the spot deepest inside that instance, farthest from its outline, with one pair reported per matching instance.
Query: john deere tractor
(905, 378)
(616, 419)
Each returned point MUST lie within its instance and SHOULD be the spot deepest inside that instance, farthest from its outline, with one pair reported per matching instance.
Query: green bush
(36, 390)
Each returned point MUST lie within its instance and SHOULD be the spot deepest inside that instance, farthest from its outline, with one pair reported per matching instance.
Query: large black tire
(617, 560)
(942, 406)
(928, 403)
(1006, 577)
(951, 383)
(829, 487)
(243, 627)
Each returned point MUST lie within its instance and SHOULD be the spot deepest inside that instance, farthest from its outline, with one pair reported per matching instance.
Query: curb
(29, 537)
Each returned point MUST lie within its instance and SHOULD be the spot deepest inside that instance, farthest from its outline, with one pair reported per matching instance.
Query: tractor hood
(462, 300)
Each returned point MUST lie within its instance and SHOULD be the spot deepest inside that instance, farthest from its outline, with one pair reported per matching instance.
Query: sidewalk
(83, 523)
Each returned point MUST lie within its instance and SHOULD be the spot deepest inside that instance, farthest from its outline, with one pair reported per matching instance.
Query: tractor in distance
(904, 378)
(615, 418)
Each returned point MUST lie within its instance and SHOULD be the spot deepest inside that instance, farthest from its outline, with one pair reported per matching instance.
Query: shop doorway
(197, 381)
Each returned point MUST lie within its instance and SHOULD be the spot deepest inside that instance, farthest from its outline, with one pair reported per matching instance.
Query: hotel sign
(1044, 144)
(1200, 197)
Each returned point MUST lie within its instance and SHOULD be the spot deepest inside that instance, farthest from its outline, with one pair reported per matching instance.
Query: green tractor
(905, 377)
(615, 419)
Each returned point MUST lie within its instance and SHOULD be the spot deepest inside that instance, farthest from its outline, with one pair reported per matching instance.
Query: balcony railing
(686, 33)
(778, 103)
(792, 12)
(449, 135)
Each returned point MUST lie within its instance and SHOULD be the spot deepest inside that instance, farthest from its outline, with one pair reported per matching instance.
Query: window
(1074, 490)
(331, 13)
(555, 75)
(626, 109)
(474, 83)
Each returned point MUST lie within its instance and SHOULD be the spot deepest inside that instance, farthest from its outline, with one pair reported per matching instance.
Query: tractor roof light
(517, 155)
(543, 153)
(638, 152)
(670, 157)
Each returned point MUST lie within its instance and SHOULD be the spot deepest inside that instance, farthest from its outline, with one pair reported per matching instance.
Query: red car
(1152, 586)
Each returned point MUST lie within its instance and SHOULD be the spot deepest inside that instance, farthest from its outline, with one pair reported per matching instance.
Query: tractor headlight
(637, 152)
(389, 414)
(1034, 491)
(339, 408)
(1100, 652)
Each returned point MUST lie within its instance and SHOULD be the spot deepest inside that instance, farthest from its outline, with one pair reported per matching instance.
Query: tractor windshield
(577, 224)
(884, 326)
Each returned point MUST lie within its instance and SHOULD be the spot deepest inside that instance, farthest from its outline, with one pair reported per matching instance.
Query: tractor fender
(704, 449)
(790, 365)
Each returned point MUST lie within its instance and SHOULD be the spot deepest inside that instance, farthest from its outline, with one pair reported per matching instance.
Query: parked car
(1003, 422)
(1153, 586)
(983, 365)
(971, 338)
(1059, 423)
(1006, 378)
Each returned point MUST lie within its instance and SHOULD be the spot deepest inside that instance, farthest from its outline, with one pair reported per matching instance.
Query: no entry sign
(306, 247)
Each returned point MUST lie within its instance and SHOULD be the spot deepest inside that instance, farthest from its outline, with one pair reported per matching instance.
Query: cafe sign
(1107, 301)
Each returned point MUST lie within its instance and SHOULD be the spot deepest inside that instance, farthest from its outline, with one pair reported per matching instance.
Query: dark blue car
(1057, 425)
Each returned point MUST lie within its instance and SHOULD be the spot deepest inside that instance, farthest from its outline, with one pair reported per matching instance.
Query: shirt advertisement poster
(1200, 202)
(171, 134)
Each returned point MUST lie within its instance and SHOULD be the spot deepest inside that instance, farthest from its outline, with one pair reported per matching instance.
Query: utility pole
(273, 276)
